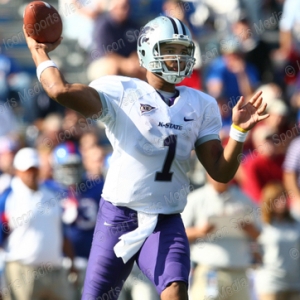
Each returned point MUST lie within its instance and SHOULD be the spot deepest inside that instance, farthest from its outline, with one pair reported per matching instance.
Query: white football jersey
(152, 142)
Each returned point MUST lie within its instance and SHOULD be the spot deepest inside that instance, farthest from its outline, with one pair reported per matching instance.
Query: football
(42, 22)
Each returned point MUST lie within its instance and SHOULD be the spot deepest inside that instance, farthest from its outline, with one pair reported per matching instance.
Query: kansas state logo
(144, 108)
(144, 35)
(170, 125)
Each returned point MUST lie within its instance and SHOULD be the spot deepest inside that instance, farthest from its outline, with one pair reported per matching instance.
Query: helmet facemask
(67, 164)
(182, 63)
(68, 174)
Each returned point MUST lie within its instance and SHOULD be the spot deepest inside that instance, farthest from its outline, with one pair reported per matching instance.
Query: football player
(153, 126)
(80, 196)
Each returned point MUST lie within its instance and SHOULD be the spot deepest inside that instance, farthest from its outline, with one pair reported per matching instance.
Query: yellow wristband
(239, 128)
(238, 135)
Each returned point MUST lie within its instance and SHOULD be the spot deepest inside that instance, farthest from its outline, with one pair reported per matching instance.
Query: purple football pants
(163, 258)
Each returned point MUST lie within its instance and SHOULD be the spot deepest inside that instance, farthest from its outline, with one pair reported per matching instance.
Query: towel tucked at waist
(131, 242)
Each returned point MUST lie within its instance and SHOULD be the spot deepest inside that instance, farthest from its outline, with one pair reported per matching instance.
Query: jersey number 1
(166, 175)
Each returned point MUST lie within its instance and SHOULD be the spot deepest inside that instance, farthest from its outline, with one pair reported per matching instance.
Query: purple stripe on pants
(163, 258)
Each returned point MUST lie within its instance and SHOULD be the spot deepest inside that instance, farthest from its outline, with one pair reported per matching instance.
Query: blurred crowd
(244, 235)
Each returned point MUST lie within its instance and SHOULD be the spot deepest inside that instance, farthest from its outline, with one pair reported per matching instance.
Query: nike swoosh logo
(107, 224)
(187, 120)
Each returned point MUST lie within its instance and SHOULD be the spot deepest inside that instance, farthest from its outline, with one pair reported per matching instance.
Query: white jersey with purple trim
(152, 142)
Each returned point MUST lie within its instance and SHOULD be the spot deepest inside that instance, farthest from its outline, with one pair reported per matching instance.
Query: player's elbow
(58, 93)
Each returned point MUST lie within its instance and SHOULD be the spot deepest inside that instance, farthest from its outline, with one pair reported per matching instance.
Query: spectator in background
(32, 236)
(93, 137)
(8, 120)
(8, 148)
(73, 126)
(279, 113)
(49, 129)
(288, 53)
(80, 202)
(263, 164)
(9, 70)
(280, 123)
(278, 277)
(295, 99)
(79, 18)
(228, 77)
(14, 97)
(45, 172)
(272, 92)
(253, 9)
(93, 161)
(88, 140)
(220, 223)
(291, 175)
(255, 50)
(115, 43)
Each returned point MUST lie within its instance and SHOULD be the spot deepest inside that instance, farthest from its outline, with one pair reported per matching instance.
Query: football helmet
(168, 30)
(67, 164)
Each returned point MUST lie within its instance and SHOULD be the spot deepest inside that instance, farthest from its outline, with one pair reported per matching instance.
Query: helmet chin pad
(174, 79)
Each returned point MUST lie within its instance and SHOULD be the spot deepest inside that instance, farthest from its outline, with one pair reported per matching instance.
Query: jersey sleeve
(211, 123)
(110, 90)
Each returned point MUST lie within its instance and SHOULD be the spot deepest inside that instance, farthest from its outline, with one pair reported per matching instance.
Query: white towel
(131, 242)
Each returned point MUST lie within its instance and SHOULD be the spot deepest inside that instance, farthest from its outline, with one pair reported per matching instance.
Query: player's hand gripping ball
(42, 22)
